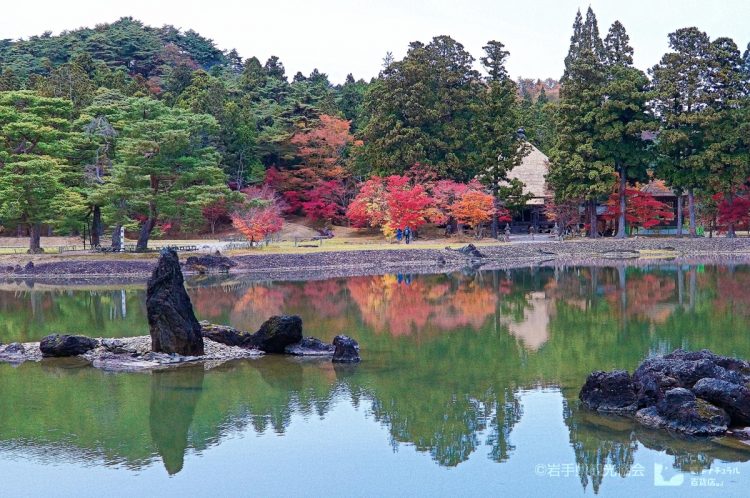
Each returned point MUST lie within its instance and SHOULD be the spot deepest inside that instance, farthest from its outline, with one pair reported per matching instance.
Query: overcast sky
(343, 36)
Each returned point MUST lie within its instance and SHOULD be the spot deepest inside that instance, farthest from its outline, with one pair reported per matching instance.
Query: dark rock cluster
(210, 262)
(695, 393)
(283, 335)
(60, 345)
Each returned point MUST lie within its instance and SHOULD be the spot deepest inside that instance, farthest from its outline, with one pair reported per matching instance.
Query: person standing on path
(407, 234)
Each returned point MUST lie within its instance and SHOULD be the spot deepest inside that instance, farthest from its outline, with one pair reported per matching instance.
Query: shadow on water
(174, 396)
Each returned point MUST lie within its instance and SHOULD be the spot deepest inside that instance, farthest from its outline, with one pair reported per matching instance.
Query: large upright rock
(172, 323)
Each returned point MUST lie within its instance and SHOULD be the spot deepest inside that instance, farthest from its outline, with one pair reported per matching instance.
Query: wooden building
(532, 172)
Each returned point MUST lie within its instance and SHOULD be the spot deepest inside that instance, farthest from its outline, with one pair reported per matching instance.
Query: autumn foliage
(316, 187)
(474, 208)
(643, 209)
(260, 214)
(389, 204)
(733, 211)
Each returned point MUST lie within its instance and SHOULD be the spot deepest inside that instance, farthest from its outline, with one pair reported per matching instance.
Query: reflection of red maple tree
(645, 296)
(406, 309)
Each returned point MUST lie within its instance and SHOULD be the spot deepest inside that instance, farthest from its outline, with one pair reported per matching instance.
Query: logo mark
(675, 480)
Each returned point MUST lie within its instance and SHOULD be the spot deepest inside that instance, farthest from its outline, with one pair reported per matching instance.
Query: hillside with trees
(161, 132)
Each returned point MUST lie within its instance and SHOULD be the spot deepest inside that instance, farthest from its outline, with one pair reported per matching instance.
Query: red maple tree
(643, 209)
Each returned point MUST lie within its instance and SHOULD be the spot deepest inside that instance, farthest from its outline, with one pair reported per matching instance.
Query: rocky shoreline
(131, 354)
(176, 337)
(698, 393)
(318, 265)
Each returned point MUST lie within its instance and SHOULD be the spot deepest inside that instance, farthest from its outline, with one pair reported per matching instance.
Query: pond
(468, 386)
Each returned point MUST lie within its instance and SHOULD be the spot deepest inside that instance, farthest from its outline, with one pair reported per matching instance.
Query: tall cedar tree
(421, 109)
(499, 147)
(726, 131)
(577, 170)
(680, 101)
(623, 117)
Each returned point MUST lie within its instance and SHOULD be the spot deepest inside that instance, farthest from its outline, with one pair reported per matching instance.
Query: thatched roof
(658, 188)
(531, 172)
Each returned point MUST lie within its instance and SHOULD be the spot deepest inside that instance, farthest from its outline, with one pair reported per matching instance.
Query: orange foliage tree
(260, 214)
(316, 186)
(474, 208)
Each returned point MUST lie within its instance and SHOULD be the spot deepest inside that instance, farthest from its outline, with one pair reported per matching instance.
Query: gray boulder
(346, 350)
(277, 333)
(310, 346)
(733, 398)
(609, 392)
(225, 334)
(60, 345)
(172, 323)
(680, 411)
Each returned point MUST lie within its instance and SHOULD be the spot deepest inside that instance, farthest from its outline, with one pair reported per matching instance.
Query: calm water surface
(468, 386)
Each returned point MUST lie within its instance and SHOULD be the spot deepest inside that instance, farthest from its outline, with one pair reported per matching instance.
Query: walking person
(407, 234)
(399, 235)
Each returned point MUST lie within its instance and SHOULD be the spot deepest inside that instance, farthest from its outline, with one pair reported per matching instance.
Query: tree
(316, 186)
(420, 109)
(727, 151)
(623, 119)
(260, 214)
(215, 212)
(474, 208)
(643, 209)
(167, 167)
(36, 147)
(326, 201)
(733, 211)
(577, 170)
(680, 90)
(389, 204)
(499, 146)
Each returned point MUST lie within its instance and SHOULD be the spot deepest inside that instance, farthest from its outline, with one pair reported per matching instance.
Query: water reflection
(445, 360)
(174, 396)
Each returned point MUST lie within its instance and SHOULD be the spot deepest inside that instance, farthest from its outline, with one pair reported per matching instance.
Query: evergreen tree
(680, 101)
(498, 145)
(623, 118)
(617, 46)
(420, 110)
(725, 123)
(36, 149)
(166, 168)
(578, 172)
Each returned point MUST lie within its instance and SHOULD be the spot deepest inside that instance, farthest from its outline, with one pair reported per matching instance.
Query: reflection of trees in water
(602, 442)
(599, 443)
(30, 315)
(447, 394)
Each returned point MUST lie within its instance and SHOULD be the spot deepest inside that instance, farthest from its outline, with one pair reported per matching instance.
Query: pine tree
(36, 149)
